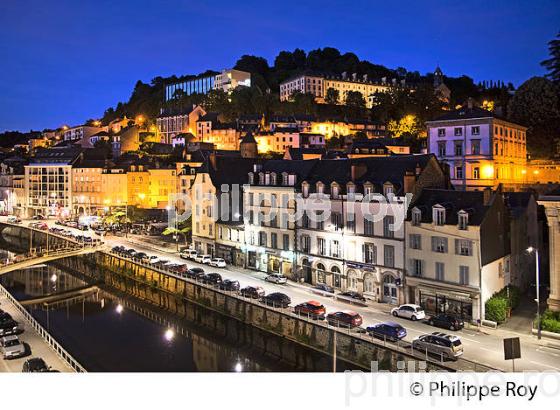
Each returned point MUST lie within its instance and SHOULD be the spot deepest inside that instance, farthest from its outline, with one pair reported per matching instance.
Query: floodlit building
(172, 124)
(227, 81)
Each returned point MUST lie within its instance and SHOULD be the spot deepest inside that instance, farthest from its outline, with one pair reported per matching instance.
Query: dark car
(353, 295)
(131, 252)
(311, 309)
(8, 327)
(253, 292)
(446, 321)
(212, 279)
(323, 287)
(277, 299)
(195, 273)
(344, 319)
(118, 249)
(140, 255)
(35, 365)
(388, 330)
(230, 285)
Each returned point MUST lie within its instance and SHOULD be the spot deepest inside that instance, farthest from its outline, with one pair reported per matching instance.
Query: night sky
(64, 61)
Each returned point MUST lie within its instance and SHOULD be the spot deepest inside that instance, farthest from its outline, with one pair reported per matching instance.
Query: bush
(550, 321)
(496, 309)
(514, 296)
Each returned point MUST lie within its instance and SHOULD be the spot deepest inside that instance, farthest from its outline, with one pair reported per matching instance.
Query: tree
(536, 105)
(183, 229)
(409, 124)
(553, 63)
(332, 96)
(355, 104)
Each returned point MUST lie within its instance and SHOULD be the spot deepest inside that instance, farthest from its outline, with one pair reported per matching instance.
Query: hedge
(550, 321)
(514, 295)
(496, 309)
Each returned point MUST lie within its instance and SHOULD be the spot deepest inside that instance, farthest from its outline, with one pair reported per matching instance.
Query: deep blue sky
(64, 61)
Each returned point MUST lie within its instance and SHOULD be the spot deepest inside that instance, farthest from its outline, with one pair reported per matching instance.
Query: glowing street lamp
(169, 335)
(531, 249)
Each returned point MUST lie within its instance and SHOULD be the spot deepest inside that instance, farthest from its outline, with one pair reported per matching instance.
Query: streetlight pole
(530, 249)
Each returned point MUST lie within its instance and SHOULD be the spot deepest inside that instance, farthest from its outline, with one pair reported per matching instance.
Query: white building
(457, 250)
(170, 125)
(227, 81)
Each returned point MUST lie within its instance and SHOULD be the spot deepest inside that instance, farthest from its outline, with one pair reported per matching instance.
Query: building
(172, 124)
(114, 187)
(482, 149)
(319, 86)
(227, 81)
(457, 250)
(87, 187)
(211, 129)
(48, 182)
(12, 193)
(162, 186)
(81, 132)
(551, 203)
(342, 127)
(378, 147)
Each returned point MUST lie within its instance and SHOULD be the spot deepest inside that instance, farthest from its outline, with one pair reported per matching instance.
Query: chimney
(357, 171)
(487, 196)
(409, 181)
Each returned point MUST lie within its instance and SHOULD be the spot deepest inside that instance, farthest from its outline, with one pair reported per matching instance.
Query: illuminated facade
(169, 126)
(226, 81)
(481, 149)
(87, 188)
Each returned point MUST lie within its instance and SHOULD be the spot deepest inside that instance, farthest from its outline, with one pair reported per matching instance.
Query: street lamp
(531, 249)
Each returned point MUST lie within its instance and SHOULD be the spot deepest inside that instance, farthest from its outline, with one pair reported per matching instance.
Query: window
(463, 247)
(440, 271)
(415, 241)
(417, 267)
(438, 215)
(458, 132)
(439, 244)
(305, 243)
(416, 216)
(387, 189)
(305, 220)
(336, 220)
(262, 238)
(475, 130)
(273, 240)
(463, 219)
(335, 249)
(389, 256)
(368, 227)
(441, 132)
(458, 148)
(464, 275)
(286, 242)
(351, 223)
(320, 223)
(475, 147)
(334, 191)
(476, 173)
(251, 198)
(321, 246)
(388, 226)
(369, 253)
(442, 148)
(458, 172)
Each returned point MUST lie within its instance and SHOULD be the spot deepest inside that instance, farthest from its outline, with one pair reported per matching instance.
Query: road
(484, 346)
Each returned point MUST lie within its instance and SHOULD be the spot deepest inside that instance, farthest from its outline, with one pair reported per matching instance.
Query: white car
(218, 263)
(153, 259)
(409, 311)
(11, 347)
(188, 254)
(276, 278)
(203, 259)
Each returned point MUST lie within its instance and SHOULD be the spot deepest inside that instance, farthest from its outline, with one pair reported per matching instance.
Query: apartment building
(173, 123)
(87, 192)
(482, 149)
(226, 80)
(81, 132)
(458, 250)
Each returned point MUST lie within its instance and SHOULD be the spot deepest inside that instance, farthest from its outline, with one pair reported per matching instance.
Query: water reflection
(107, 330)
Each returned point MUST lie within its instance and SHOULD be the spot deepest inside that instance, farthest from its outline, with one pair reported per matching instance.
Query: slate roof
(517, 202)
(297, 153)
(248, 139)
(466, 113)
(62, 155)
(471, 202)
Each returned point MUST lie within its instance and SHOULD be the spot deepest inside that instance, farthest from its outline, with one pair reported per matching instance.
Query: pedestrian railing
(53, 344)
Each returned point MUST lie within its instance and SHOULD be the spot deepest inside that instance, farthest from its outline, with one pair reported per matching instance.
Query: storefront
(453, 303)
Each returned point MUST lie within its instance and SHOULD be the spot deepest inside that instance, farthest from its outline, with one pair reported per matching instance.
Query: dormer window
(350, 188)
(251, 178)
(416, 217)
(438, 215)
(335, 190)
(267, 179)
(273, 178)
(368, 188)
(387, 189)
(463, 220)
(305, 189)
(284, 178)
(261, 178)
(291, 179)
(320, 187)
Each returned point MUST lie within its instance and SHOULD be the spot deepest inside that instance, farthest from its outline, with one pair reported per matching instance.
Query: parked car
(344, 319)
(276, 278)
(439, 344)
(253, 292)
(131, 252)
(35, 365)
(8, 326)
(409, 311)
(195, 273)
(217, 263)
(311, 309)
(153, 259)
(323, 287)
(353, 295)
(389, 330)
(13, 220)
(446, 321)
(205, 259)
(276, 299)
(212, 279)
(11, 347)
(188, 254)
(142, 256)
(230, 285)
